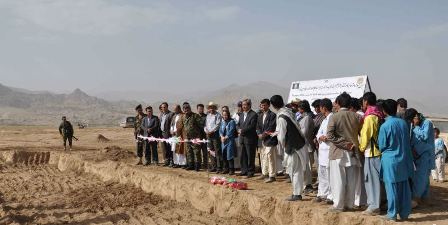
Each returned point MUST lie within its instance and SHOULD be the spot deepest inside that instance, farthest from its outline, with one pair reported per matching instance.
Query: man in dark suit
(248, 138)
(151, 128)
(265, 127)
(200, 111)
(165, 122)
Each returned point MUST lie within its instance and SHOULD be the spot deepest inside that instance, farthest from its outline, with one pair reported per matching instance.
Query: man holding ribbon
(191, 128)
(213, 122)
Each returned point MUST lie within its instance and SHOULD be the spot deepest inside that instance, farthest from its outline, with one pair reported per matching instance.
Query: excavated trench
(235, 207)
(27, 157)
(35, 191)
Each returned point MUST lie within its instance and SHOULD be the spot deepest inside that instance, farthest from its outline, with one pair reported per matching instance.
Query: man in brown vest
(342, 133)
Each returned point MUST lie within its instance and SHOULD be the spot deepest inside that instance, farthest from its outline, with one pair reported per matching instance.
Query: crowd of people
(368, 152)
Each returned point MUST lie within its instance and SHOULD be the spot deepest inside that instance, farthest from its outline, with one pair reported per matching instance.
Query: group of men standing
(250, 128)
(188, 126)
(366, 154)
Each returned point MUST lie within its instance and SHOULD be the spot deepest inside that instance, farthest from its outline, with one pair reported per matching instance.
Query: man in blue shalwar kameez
(396, 162)
(422, 143)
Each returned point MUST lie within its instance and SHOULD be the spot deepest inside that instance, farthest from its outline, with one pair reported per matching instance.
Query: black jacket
(269, 125)
(248, 128)
(203, 121)
(153, 123)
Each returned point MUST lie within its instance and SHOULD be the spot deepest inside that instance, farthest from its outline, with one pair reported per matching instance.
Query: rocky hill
(254, 91)
(43, 108)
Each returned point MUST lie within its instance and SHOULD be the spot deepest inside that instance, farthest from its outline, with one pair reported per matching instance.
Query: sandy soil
(43, 194)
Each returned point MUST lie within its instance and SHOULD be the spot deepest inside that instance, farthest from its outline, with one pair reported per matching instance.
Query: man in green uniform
(191, 128)
(66, 131)
(139, 131)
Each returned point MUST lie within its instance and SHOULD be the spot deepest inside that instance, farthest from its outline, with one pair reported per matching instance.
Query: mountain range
(24, 107)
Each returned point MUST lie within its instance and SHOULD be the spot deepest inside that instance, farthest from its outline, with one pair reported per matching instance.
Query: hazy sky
(102, 45)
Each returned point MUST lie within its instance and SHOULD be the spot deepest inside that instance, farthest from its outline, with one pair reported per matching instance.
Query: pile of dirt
(114, 153)
(102, 139)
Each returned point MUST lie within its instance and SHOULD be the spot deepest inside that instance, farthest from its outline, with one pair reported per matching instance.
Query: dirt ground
(43, 194)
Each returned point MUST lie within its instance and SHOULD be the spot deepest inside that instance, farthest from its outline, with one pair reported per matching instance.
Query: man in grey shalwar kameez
(306, 124)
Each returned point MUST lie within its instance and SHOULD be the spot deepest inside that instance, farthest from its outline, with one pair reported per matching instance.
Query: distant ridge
(230, 95)
(23, 107)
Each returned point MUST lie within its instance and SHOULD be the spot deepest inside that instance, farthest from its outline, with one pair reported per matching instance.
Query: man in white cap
(212, 124)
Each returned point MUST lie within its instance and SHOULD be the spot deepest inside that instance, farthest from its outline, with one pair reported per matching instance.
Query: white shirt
(264, 117)
(244, 116)
(324, 147)
(280, 131)
(236, 117)
(174, 127)
(162, 126)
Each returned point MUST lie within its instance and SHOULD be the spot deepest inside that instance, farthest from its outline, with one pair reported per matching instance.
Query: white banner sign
(328, 88)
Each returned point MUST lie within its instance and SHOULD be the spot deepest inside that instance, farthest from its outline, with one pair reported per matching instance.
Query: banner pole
(368, 83)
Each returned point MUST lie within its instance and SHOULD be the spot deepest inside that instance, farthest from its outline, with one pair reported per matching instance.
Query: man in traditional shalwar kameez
(290, 137)
(342, 133)
(422, 144)
(369, 147)
(307, 128)
(324, 191)
(396, 162)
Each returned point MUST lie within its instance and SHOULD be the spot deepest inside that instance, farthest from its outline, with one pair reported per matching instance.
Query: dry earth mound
(102, 139)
